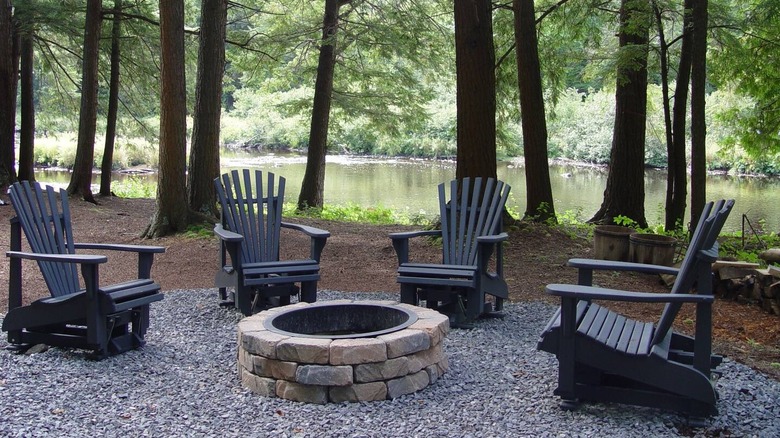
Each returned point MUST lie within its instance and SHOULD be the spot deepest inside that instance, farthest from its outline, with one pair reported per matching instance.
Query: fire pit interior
(341, 351)
(341, 321)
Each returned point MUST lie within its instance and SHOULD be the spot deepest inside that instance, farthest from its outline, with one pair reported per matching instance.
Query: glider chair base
(56, 322)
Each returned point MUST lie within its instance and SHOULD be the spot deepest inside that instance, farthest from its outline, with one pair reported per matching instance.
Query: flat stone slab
(322, 370)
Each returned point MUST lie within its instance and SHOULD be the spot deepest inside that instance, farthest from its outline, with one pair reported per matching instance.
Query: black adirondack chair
(604, 356)
(103, 319)
(249, 233)
(470, 233)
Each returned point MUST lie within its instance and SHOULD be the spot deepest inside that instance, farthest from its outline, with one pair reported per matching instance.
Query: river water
(409, 186)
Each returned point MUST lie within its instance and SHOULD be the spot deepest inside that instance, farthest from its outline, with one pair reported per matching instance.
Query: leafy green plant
(624, 221)
(133, 187)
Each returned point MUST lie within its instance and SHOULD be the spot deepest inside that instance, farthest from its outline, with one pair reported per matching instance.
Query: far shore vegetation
(579, 126)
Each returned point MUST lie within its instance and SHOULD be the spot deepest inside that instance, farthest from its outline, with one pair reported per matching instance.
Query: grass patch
(199, 231)
(134, 187)
(355, 213)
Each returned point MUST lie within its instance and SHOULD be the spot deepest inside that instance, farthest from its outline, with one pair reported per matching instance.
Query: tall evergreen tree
(171, 214)
(698, 120)
(26, 169)
(113, 101)
(81, 177)
(476, 89)
(539, 198)
(625, 191)
(313, 185)
(8, 84)
(204, 153)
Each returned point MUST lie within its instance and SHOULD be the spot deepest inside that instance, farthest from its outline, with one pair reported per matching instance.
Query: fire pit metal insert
(341, 321)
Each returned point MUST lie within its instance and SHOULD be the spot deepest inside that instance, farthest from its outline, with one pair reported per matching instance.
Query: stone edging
(337, 370)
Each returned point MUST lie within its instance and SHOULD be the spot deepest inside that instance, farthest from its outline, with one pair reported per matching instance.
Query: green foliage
(573, 224)
(133, 188)
(354, 213)
(55, 151)
(60, 151)
(199, 231)
(394, 90)
(624, 221)
(747, 248)
(747, 59)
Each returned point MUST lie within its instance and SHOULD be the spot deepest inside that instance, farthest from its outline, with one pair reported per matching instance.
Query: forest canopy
(394, 91)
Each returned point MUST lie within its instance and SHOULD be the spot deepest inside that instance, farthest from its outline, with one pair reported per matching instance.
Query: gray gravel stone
(184, 382)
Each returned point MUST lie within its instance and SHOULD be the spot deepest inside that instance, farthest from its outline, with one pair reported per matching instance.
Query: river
(409, 186)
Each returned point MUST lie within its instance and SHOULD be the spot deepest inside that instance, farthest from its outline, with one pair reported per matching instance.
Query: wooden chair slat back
(45, 221)
(696, 271)
(473, 209)
(253, 208)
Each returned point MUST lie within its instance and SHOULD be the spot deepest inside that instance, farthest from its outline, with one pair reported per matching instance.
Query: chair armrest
(121, 247)
(411, 234)
(493, 239)
(580, 292)
(401, 242)
(309, 231)
(485, 247)
(225, 235)
(318, 238)
(587, 266)
(145, 253)
(60, 258)
(89, 271)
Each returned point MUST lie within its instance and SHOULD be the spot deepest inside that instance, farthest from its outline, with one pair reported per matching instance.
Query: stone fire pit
(343, 350)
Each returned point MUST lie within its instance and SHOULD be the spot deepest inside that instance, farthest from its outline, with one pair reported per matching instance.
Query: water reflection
(410, 185)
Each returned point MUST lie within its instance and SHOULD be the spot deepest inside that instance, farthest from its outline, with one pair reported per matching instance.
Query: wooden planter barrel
(652, 249)
(611, 242)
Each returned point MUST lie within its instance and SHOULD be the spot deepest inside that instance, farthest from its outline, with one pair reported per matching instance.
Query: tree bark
(625, 191)
(204, 153)
(476, 89)
(113, 102)
(27, 105)
(8, 84)
(539, 199)
(313, 185)
(81, 178)
(678, 165)
(171, 213)
(698, 122)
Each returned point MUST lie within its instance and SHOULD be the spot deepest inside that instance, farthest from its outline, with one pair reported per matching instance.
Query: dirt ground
(360, 258)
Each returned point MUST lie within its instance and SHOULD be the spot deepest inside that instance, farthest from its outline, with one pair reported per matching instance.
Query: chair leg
(243, 296)
(308, 291)
(409, 294)
(141, 321)
(474, 304)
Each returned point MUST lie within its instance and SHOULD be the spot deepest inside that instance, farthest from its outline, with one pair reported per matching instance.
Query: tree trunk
(625, 191)
(27, 123)
(476, 89)
(698, 123)
(113, 103)
(678, 165)
(539, 199)
(204, 153)
(8, 84)
(313, 185)
(81, 178)
(171, 213)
